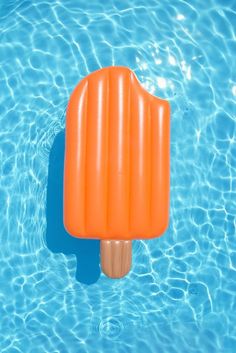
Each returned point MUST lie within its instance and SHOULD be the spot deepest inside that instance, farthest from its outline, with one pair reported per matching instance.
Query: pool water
(181, 293)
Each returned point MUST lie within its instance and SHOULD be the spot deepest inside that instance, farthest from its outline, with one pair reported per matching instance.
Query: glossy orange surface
(116, 181)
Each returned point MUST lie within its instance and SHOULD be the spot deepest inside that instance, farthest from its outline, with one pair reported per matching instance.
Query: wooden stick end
(116, 257)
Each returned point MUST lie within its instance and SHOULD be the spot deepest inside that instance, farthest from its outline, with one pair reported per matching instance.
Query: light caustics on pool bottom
(180, 294)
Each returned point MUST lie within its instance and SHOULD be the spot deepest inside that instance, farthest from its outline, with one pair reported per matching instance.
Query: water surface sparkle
(180, 294)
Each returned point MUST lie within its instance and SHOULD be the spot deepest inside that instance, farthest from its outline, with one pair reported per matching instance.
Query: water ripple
(181, 290)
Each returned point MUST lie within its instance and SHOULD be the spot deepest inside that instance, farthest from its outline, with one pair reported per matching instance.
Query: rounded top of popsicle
(119, 71)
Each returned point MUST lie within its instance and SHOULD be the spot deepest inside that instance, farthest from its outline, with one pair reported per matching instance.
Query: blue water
(181, 293)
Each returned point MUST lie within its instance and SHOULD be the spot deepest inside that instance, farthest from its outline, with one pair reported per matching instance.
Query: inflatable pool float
(116, 179)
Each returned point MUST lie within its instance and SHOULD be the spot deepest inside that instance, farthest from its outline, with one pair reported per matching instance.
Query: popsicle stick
(116, 257)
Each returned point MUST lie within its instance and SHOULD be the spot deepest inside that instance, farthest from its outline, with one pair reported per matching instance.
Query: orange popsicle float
(116, 179)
